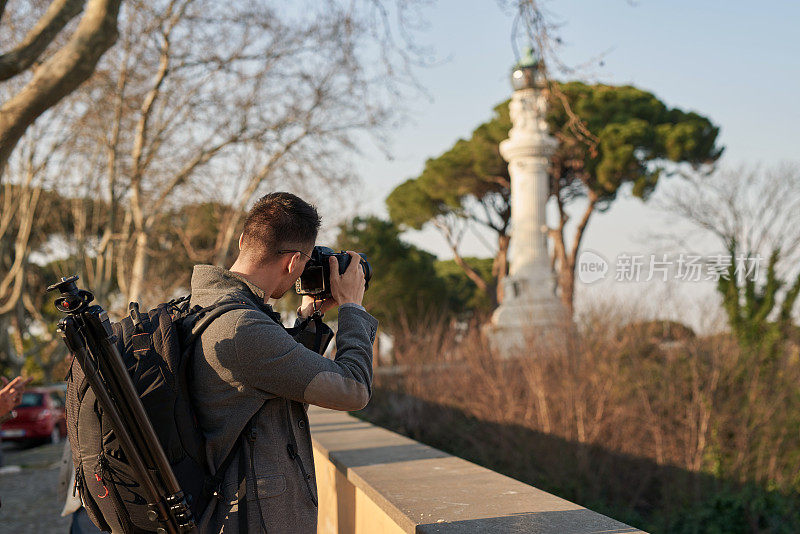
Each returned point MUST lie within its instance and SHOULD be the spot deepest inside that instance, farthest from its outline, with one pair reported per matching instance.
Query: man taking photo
(252, 381)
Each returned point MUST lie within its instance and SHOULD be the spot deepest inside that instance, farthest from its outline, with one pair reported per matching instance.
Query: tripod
(88, 335)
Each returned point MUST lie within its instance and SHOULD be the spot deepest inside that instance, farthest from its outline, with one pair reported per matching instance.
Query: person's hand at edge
(348, 287)
(11, 394)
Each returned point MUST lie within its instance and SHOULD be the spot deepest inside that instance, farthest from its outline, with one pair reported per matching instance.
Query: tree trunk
(566, 283)
(5, 341)
(8, 355)
(11, 283)
(122, 249)
(48, 358)
(226, 237)
(17, 328)
(475, 277)
(501, 264)
(566, 260)
(138, 267)
(560, 260)
(104, 267)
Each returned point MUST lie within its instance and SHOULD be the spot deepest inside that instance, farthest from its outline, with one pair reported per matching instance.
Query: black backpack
(156, 348)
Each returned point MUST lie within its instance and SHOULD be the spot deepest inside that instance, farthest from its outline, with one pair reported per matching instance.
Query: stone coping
(425, 490)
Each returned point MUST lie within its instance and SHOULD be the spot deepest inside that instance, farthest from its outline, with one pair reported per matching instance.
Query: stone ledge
(425, 490)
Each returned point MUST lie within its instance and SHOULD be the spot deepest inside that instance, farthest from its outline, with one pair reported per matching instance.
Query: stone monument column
(530, 306)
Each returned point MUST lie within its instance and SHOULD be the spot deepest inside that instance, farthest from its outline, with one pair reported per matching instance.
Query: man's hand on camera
(348, 287)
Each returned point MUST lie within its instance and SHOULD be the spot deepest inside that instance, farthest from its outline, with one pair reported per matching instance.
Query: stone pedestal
(530, 311)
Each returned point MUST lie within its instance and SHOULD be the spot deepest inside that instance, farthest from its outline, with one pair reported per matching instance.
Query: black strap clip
(136, 316)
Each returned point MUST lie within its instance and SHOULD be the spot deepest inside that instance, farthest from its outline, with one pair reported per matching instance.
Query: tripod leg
(99, 339)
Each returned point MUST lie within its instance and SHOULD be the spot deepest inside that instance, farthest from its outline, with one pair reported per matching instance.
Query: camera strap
(321, 336)
(319, 328)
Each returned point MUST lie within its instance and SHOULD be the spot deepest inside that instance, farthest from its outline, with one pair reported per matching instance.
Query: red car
(38, 417)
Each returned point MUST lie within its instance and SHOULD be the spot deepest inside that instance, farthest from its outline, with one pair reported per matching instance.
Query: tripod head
(72, 299)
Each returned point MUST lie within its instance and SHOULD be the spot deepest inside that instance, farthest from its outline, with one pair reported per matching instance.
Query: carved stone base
(527, 341)
(531, 316)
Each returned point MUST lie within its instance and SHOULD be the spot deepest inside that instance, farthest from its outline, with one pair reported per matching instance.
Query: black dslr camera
(316, 277)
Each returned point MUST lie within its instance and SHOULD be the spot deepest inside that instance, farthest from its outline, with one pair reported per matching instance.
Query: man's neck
(258, 277)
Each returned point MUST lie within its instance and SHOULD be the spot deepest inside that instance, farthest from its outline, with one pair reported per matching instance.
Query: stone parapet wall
(374, 481)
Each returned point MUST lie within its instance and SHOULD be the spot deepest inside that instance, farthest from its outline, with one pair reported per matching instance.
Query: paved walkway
(28, 496)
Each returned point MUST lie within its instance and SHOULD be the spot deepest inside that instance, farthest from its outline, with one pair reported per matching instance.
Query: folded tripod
(88, 335)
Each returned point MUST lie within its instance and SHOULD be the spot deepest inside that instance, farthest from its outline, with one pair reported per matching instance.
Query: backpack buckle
(135, 315)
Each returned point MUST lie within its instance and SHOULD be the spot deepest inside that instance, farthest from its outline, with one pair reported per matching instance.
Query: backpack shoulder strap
(214, 482)
(208, 315)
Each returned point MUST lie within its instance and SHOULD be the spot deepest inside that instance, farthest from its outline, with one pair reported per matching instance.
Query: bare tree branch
(755, 210)
(60, 74)
(58, 14)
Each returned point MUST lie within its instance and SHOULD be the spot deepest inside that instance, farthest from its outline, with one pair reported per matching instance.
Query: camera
(316, 277)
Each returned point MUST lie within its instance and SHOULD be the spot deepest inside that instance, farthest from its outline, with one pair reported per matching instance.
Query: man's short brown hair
(279, 221)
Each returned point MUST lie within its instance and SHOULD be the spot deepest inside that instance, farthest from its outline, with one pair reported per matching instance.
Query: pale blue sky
(736, 62)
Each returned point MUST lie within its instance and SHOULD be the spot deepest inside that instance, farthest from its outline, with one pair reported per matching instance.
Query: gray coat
(246, 364)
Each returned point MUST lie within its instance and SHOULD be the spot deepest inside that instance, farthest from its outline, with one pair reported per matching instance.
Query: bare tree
(751, 210)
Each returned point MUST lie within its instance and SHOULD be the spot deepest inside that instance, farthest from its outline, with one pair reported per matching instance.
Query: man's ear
(294, 262)
(241, 240)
